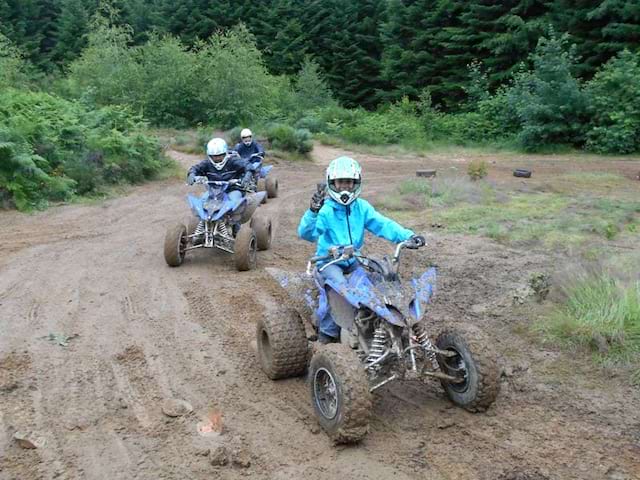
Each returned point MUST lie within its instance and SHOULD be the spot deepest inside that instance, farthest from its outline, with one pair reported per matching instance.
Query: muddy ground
(147, 333)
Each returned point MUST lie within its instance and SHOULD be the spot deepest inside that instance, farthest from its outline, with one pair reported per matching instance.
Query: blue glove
(191, 178)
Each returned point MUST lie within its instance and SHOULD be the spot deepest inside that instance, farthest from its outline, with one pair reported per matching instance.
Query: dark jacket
(236, 167)
(246, 152)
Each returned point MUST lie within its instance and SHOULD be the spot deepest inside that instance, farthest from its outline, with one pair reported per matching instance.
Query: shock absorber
(200, 228)
(378, 346)
(222, 229)
(425, 342)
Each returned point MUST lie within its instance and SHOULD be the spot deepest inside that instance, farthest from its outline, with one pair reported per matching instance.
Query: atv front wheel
(271, 185)
(262, 226)
(245, 248)
(475, 364)
(175, 244)
(340, 393)
(282, 345)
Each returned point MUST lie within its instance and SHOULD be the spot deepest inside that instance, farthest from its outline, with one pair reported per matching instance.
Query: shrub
(13, 69)
(232, 136)
(54, 148)
(548, 100)
(176, 86)
(614, 94)
(313, 123)
(284, 137)
(477, 169)
(396, 123)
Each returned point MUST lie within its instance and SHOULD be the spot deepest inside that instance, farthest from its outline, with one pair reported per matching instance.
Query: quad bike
(262, 181)
(385, 336)
(223, 223)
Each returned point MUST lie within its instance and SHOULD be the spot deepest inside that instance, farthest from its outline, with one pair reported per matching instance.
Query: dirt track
(148, 332)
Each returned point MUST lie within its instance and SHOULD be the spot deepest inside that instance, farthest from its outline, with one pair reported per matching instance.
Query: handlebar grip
(319, 259)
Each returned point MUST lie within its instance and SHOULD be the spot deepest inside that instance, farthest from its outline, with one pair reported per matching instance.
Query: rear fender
(253, 201)
(264, 171)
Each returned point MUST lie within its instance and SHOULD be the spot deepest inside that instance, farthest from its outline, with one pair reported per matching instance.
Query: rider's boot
(325, 339)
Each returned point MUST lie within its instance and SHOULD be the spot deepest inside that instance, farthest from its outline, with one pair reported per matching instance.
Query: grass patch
(589, 179)
(550, 219)
(599, 312)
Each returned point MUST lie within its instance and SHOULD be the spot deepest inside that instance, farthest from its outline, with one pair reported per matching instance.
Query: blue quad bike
(385, 336)
(263, 179)
(221, 222)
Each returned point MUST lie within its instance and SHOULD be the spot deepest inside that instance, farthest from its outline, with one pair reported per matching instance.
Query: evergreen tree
(502, 34)
(71, 27)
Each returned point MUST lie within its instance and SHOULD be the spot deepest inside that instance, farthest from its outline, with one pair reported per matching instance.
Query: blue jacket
(245, 152)
(337, 224)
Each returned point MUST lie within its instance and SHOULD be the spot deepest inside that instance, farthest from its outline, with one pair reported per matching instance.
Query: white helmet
(344, 168)
(246, 136)
(217, 147)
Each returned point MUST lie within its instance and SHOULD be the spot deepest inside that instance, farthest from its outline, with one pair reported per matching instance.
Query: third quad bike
(263, 180)
(385, 336)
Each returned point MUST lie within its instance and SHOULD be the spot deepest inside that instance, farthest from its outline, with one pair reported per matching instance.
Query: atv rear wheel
(476, 363)
(262, 226)
(271, 185)
(245, 249)
(175, 244)
(262, 187)
(282, 345)
(340, 393)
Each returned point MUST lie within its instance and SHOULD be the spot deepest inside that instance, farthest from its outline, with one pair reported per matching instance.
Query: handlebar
(202, 180)
(341, 253)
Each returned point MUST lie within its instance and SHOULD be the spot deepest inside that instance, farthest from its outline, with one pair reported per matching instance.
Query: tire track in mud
(148, 332)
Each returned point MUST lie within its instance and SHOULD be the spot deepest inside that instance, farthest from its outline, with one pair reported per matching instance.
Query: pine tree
(71, 27)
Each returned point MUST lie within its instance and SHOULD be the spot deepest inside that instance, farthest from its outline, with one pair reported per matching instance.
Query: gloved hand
(244, 183)
(191, 178)
(418, 241)
(317, 200)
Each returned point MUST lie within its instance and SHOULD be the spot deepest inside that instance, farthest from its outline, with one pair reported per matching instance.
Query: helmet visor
(217, 159)
(343, 184)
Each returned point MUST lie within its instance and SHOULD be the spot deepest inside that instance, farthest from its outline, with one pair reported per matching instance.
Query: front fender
(197, 206)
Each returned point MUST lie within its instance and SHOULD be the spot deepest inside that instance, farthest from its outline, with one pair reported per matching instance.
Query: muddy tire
(262, 187)
(262, 226)
(340, 393)
(271, 185)
(175, 244)
(245, 249)
(282, 345)
(478, 362)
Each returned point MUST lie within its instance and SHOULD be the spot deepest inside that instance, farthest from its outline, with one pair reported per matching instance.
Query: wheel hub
(326, 393)
(456, 367)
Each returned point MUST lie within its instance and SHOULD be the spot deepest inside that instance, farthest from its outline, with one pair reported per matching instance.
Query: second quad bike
(223, 222)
